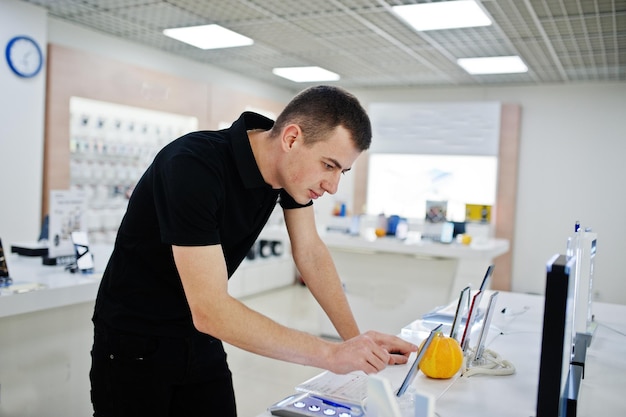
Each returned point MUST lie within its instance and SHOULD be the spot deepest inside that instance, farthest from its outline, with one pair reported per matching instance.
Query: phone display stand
(84, 258)
(480, 360)
(66, 260)
(381, 401)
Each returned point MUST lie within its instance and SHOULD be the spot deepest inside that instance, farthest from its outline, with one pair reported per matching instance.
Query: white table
(59, 287)
(470, 258)
(388, 280)
(516, 336)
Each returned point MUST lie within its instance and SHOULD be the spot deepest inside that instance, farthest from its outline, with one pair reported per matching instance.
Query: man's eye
(328, 166)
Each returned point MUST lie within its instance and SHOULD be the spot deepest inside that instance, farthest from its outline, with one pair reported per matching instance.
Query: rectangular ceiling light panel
(306, 74)
(493, 65)
(208, 37)
(443, 15)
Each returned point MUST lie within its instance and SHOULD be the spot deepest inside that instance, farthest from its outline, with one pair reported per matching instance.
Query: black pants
(135, 376)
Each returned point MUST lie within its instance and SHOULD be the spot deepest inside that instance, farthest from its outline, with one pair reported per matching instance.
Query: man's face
(313, 170)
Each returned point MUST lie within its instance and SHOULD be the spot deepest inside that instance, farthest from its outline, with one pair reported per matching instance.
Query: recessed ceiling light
(443, 15)
(306, 74)
(493, 65)
(208, 36)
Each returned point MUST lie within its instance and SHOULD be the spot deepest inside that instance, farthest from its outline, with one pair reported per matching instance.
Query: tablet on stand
(484, 330)
(461, 308)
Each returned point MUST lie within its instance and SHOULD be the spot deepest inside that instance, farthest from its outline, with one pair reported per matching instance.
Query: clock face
(24, 56)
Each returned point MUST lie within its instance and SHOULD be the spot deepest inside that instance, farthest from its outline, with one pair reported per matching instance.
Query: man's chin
(304, 200)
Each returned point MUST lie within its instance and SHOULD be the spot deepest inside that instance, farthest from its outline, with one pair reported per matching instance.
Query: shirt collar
(244, 158)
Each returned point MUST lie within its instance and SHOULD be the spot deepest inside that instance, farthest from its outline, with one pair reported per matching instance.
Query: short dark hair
(320, 109)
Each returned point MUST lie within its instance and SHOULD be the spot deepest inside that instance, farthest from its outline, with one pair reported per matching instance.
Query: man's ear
(290, 135)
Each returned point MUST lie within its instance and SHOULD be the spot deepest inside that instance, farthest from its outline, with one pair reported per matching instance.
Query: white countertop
(55, 286)
(480, 249)
(39, 287)
(516, 335)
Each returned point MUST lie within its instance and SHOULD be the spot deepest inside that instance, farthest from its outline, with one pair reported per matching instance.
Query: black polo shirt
(204, 188)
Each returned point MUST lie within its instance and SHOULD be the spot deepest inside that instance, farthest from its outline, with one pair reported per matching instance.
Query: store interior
(102, 105)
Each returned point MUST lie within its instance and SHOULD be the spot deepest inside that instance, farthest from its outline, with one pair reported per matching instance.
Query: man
(163, 307)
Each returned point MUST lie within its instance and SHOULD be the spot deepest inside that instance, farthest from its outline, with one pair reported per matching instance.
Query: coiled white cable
(491, 363)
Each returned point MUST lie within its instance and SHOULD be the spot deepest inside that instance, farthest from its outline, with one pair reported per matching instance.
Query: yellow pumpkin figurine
(443, 359)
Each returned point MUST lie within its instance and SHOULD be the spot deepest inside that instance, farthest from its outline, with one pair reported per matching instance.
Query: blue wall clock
(24, 56)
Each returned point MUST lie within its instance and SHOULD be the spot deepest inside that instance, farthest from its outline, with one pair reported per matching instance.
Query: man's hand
(370, 352)
(399, 349)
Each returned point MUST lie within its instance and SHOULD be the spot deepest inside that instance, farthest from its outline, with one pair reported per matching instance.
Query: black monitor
(557, 339)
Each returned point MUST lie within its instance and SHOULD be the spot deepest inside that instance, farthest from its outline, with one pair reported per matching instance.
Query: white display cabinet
(262, 275)
(269, 264)
(111, 145)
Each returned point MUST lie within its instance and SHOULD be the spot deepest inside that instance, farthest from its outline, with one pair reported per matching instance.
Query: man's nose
(331, 184)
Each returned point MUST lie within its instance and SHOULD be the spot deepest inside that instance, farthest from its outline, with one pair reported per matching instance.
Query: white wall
(78, 37)
(572, 146)
(21, 128)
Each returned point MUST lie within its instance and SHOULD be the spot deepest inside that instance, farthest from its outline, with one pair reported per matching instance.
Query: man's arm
(203, 274)
(318, 270)
(320, 275)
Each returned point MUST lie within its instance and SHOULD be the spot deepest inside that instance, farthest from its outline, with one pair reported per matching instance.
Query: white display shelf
(44, 287)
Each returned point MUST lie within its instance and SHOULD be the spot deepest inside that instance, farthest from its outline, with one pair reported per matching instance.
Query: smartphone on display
(5, 279)
(447, 232)
(484, 331)
(471, 319)
(415, 366)
(461, 308)
(4, 269)
(84, 258)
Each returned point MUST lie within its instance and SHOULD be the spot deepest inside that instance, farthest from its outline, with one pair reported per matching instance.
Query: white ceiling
(561, 41)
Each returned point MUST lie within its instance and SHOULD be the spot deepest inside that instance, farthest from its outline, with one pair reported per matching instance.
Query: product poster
(477, 213)
(436, 211)
(67, 212)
